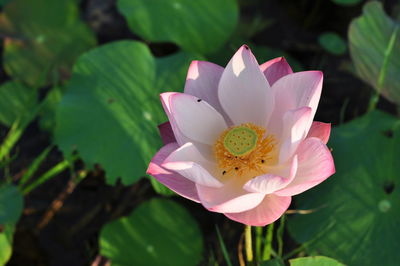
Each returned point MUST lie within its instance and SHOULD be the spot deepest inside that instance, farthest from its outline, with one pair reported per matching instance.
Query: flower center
(240, 140)
(245, 150)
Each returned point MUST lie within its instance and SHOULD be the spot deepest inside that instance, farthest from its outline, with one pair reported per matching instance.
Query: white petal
(271, 182)
(315, 165)
(229, 198)
(295, 128)
(190, 163)
(172, 180)
(202, 81)
(195, 118)
(294, 91)
(244, 92)
(267, 212)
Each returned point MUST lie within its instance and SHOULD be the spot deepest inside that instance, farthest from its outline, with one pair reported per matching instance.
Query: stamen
(246, 149)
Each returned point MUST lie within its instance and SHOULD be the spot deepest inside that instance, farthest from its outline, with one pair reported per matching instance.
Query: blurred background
(79, 109)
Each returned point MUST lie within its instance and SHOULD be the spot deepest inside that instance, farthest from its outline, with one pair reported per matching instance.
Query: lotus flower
(241, 140)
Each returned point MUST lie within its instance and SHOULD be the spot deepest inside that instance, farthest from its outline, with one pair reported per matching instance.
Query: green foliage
(346, 2)
(199, 26)
(356, 211)
(47, 113)
(16, 101)
(374, 43)
(273, 262)
(6, 240)
(109, 110)
(11, 204)
(332, 43)
(4, 2)
(171, 71)
(315, 261)
(112, 101)
(44, 39)
(158, 232)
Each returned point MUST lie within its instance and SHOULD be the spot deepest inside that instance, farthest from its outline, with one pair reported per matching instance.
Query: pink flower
(241, 140)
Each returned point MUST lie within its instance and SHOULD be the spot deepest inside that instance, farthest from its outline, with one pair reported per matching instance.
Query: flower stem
(268, 243)
(248, 243)
(279, 233)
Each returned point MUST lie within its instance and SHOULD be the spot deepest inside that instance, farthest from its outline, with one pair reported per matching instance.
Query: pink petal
(315, 165)
(275, 69)
(229, 198)
(190, 163)
(194, 118)
(294, 91)
(320, 130)
(172, 180)
(167, 135)
(267, 212)
(295, 128)
(244, 92)
(272, 182)
(202, 81)
(165, 100)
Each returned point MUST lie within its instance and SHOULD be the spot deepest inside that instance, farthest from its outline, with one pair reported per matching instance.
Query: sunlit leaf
(109, 110)
(332, 43)
(43, 39)
(158, 232)
(199, 26)
(356, 211)
(374, 41)
(16, 100)
(6, 240)
(315, 261)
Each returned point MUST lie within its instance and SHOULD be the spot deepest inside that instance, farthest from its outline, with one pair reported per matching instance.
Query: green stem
(58, 168)
(223, 247)
(248, 243)
(259, 231)
(34, 166)
(268, 242)
(383, 71)
(12, 137)
(293, 252)
(280, 236)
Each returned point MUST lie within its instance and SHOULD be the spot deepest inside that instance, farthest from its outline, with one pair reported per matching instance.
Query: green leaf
(199, 26)
(113, 102)
(2, 3)
(158, 232)
(109, 110)
(11, 204)
(273, 262)
(172, 70)
(346, 2)
(355, 213)
(47, 113)
(315, 261)
(332, 43)
(160, 188)
(374, 43)
(44, 39)
(16, 101)
(6, 240)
